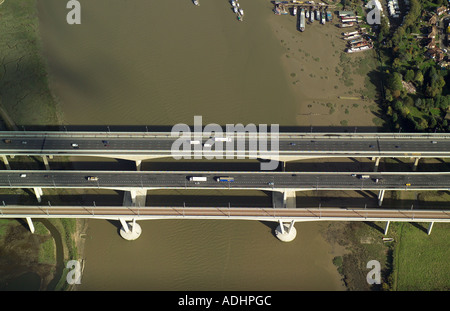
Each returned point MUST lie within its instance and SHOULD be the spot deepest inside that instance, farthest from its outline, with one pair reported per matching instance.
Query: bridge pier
(130, 230)
(416, 163)
(5, 160)
(286, 233)
(386, 228)
(430, 227)
(284, 199)
(45, 159)
(39, 193)
(30, 224)
(380, 197)
(138, 165)
(377, 163)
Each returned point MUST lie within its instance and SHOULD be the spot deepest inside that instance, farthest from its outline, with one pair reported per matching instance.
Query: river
(161, 63)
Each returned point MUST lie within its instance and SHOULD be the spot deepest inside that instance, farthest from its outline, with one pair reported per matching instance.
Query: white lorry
(198, 178)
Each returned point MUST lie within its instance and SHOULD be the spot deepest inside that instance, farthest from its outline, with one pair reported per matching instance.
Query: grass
(421, 260)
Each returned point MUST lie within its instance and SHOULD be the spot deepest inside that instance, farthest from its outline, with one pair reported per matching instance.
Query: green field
(421, 261)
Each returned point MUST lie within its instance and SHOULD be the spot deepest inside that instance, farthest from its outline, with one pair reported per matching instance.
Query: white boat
(294, 10)
(233, 3)
(311, 17)
(307, 13)
(235, 9)
(196, 2)
(241, 11)
(362, 48)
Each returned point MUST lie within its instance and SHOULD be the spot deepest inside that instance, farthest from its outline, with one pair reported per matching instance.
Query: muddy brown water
(161, 63)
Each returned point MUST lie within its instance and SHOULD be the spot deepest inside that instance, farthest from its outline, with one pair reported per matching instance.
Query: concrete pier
(39, 193)
(30, 224)
(380, 197)
(386, 228)
(430, 227)
(416, 163)
(377, 163)
(45, 159)
(286, 233)
(138, 165)
(290, 199)
(130, 230)
(5, 160)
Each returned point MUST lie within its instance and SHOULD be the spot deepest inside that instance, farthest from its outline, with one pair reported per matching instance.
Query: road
(160, 144)
(242, 180)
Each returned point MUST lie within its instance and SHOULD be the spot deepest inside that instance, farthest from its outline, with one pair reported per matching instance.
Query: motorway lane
(250, 180)
(143, 145)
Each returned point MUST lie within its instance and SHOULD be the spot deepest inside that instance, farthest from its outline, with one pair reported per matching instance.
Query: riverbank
(29, 261)
(333, 88)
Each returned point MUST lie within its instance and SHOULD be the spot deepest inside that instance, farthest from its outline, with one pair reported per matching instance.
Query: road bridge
(139, 146)
(282, 184)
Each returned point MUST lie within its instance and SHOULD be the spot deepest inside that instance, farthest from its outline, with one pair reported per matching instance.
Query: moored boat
(294, 11)
(302, 20)
(196, 2)
(241, 11)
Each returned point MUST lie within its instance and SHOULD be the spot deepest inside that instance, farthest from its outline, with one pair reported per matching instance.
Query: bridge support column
(289, 199)
(5, 160)
(30, 224)
(278, 199)
(416, 163)
(39, 193)
(386, 228)
(45, 159)
(377, 163)
(380, 197)
(138, 165)
(130, 231)
(138, 197)
(286, 233)
(430, 227)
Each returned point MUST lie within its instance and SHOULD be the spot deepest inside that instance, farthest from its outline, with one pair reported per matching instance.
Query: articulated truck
(198, 178)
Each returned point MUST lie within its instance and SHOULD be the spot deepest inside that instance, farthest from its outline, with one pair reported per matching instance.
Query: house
(432, 44)
(437, 54)
(441, 10)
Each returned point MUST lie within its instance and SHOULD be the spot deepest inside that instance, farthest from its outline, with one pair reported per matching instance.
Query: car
(371, 146)
(353, 175)
(23, 175)
(407, 185)
(24, 142)
(92, 178)
(292, 144)
(434, 142)
(270, 183)
(397, 146)
(45, 176)
(75, 145)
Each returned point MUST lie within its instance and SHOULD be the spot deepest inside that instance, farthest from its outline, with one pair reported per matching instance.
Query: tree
(409, 76)
(418, 78)
(394, 82)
